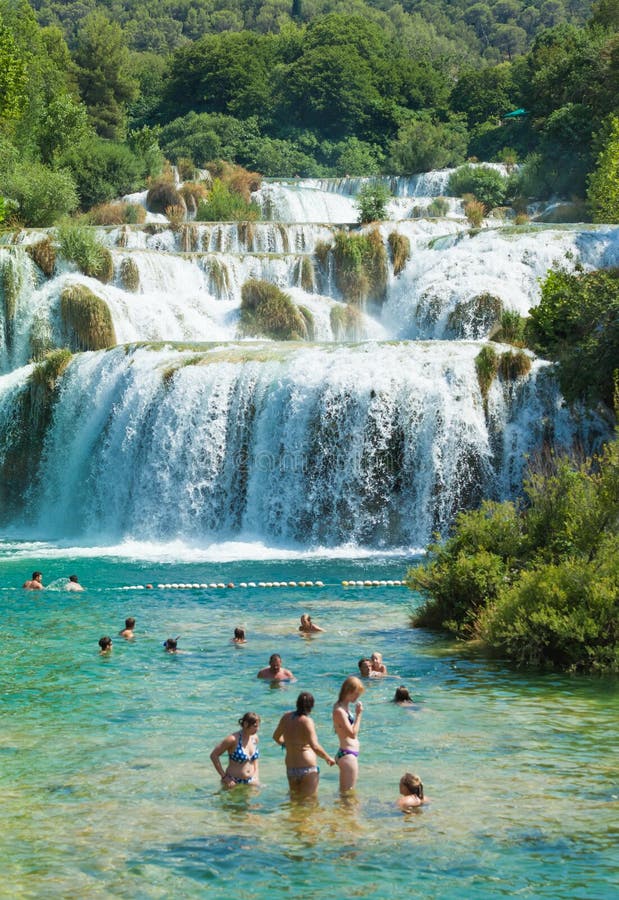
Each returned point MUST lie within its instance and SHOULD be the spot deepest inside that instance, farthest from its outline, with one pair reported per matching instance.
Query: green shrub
(400, 251)
(511, 329)
(102, 170)
(224, 205)
(565, 615)
(438, 208)
(372, 202)
(42, 195)
(79, 244)
(487, 185)
(486, 366)
(86, 319)
(129, 275)
(267, 312)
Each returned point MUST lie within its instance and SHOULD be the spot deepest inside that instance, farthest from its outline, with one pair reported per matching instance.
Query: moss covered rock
(476, 318)
(400, 247)
(86, 319)
(43, 254)
(267, 311)
(129, 275)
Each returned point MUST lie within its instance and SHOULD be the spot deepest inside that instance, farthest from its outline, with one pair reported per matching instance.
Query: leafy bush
(540, 585)
(487, 185)
(268, 312)
(102, 170)
(438, 208)
(372, 202)
(511, 329)
(224, 205)
(42, 195)
(577, 323)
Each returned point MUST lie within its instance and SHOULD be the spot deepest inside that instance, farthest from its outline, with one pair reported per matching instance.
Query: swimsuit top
(239, 755)
(351, 719)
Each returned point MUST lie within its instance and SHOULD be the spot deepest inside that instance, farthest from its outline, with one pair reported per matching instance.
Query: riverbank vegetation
(538, 580)
(95, 97)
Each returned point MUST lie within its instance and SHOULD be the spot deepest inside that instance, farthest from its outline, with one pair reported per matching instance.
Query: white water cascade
(377, 442)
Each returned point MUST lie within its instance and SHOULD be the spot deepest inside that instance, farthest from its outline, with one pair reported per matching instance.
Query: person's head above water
(239, 634)
(105, 643)
(410, 785)
(402, 695)
(74, 579)
(305, 703)
(365, 667)
(170, 645)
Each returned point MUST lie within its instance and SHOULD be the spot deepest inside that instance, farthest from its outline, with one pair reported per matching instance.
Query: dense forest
(95, 95)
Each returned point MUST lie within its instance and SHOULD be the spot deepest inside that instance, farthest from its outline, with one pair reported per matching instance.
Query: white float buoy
(220, 584)
(309, 584)
(292, 584)
(161, 586)
(243, 584)
(344, 584)
(203, 585)
(302, 584)
(262, 584)
(251, 584)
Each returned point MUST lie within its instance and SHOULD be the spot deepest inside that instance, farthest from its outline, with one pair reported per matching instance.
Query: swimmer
(347, 729)
(377, 664)
(274, 671)
(105, 643)
(411, 792)
(73, 584)
(365, 668)
(307, 626)
(239, 636)
(35, 583)
(243, 753)
(402, 696)
(171, 645)
(297, 733)
(127, 632)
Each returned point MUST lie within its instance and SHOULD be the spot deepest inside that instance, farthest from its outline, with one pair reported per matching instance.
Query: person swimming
(35, 583)
(105, 643)
(239, 636)
(275, 671)
(402, 696)
(411, 792)
(171, 645)
(127, 631)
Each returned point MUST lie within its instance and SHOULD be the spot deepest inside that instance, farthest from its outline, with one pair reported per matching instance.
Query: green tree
(423, 144)
(372, 202)
(603, 193)
(13, 77)
(104, 74)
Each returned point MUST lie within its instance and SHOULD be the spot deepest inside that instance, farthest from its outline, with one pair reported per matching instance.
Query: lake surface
(107, 786)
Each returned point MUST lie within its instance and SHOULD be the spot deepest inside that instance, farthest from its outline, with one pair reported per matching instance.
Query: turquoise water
(108, 790)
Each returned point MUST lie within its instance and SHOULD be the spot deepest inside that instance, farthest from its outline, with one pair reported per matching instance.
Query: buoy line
(184, 586)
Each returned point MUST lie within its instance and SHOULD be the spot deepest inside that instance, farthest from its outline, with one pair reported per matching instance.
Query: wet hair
(249, 719)
(130, 623)
(305, 703)
(413, 784)
(401, 694)
(170, 643)
(73, 578)
(36, 576)
(273, 657)
(350, 686)
(105, 642)
(367, 662)
(239, 633)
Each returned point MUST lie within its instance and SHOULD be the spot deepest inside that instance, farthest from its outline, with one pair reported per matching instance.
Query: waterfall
(373, 432)
(376, 444)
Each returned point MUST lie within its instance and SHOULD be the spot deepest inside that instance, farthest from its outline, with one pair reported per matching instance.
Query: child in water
(105, 643)
(411, 792)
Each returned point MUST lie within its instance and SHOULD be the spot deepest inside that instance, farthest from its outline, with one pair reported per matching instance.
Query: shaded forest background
(95, 95)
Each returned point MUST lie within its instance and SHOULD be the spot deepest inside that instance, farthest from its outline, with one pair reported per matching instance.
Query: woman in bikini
(297, 733)
(243, 753)
(347, 729)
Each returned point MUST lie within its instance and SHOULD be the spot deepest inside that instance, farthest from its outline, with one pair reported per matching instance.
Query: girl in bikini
(243, 753)
(347, 729)
(297, 733)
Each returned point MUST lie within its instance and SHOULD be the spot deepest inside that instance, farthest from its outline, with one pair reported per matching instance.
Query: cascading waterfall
(376, 444)
(310, 444)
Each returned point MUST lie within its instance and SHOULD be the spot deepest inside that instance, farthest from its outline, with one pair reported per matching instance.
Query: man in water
(73, 584)
(35, 583)
(274, 671)
(127, 632)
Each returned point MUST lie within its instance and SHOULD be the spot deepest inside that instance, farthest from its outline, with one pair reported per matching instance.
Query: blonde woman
(347, 729)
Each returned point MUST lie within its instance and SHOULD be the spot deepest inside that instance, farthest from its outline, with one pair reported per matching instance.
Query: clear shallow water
(108, 790)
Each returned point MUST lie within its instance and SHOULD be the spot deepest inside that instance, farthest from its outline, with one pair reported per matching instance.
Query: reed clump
(307, 274)
(487, 367)
(346, 323)
(511, 329)
(43, 254)
(129, 275)
(116, 213)
(266, 311)
(438, 208)
(86, 319)
(161, 194)
(400, 247)
(360, 266)
(79, 244)
(514, 365)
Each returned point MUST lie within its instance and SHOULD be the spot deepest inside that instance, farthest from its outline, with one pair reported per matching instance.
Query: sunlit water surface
(108, 791)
